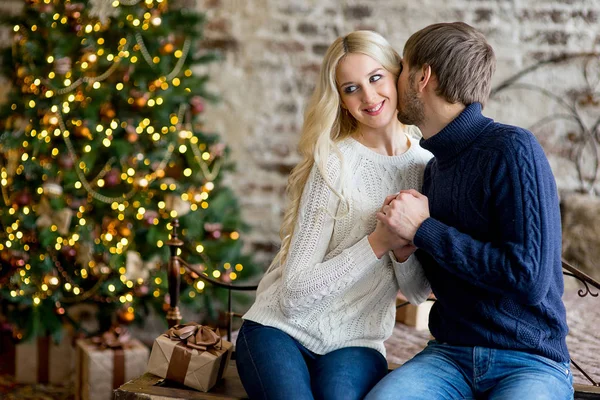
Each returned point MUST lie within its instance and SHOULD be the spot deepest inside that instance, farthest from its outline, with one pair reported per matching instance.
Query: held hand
(383, 240)
(402, 253)
(405, 214)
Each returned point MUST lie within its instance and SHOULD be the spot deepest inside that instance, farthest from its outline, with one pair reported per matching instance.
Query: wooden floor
(151, 387)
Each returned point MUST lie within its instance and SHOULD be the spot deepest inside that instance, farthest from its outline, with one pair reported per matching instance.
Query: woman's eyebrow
(370, 73)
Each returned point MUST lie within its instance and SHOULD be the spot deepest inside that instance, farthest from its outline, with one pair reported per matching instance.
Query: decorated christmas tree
(101, 146)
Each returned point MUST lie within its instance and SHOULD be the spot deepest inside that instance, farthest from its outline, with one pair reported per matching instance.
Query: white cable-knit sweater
(333, 292)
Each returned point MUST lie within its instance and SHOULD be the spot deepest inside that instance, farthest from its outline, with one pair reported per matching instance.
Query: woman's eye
(375, 78)
(350, 89)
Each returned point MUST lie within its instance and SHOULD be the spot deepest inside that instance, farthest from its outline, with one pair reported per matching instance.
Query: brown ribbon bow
(117, 339)
(196, 336)
(114, 338)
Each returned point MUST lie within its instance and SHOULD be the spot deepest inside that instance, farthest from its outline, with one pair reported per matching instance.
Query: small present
(106, 362)
(42, 360)
(191, 354)
(411, 315)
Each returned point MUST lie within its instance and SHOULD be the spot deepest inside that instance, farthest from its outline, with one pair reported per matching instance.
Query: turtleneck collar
(458, 134)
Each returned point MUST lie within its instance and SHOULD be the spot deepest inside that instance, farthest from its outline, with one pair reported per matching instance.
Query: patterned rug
(9, 390)
(583, 341)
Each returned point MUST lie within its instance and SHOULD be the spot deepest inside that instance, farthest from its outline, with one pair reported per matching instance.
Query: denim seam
(254, 365)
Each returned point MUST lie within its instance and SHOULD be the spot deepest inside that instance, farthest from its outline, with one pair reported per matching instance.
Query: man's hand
(404, 214)
(382, 239)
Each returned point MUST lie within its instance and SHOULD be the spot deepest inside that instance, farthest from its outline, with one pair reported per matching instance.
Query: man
(487, 229)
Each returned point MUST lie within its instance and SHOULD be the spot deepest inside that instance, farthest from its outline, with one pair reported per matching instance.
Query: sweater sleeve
(525, 221)
(307, 278)
(411, 279)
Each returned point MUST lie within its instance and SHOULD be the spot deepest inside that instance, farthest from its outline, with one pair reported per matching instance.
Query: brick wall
(273, 49)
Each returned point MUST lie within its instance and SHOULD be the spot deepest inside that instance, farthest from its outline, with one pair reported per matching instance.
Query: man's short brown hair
(460, 57)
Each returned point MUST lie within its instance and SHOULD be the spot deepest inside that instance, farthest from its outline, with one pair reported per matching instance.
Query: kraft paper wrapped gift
(44, 361)
(106, 362)
(191, 354)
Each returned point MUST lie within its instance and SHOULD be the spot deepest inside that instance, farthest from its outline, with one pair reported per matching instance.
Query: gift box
(191, 354)
(7, 349)
(42, 360)
(106, 362)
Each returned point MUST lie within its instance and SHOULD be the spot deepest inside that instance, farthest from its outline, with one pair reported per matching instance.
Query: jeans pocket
(564, 368)
(248, 326)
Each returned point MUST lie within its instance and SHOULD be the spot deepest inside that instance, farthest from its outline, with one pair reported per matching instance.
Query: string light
(63, 87)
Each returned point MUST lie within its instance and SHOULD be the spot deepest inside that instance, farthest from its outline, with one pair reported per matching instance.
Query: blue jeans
(273, 365)
(442, 371)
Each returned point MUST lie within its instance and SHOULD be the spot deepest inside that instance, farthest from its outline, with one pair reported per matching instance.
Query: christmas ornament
(167, 48)
(125, 229)
(104, 10)
(52, 189)
(112, 178)
(217, 149)
(141, 290)
(175, 203)
(84, 254)
(68, 251)
(13, 157)
(107, 111)
(62, 65)
(66, 161)
(132, 135)
(141, 101)
(23, 198)
(214, 229)
(137, 268)
(125, 316)
(52, 279)
(73, 10)
(84, 132)
(48, 217)
(150, 216)
(196, 105)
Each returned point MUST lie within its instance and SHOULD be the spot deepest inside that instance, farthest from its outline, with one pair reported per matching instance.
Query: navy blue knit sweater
(492, 246)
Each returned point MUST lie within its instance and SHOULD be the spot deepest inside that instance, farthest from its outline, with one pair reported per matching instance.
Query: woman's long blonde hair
(325, 123)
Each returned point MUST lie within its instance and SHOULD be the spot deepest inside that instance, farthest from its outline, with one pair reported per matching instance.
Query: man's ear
(424, 77)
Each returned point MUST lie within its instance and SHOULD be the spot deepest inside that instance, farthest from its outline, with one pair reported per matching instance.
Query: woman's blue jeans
(273, 365)
(443, 371)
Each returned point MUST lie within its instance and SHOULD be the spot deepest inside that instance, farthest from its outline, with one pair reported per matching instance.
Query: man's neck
(438, 115)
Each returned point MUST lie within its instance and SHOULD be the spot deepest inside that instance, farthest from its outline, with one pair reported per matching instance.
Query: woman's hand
(384, 239)
(402, 253)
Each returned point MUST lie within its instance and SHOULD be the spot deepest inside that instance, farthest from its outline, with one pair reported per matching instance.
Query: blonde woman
(327, 303)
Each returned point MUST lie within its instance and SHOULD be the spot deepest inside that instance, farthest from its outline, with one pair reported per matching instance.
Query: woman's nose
(369, 96)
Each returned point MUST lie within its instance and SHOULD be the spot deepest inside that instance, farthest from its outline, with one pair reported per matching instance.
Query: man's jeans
(273, 365)
(443, 371)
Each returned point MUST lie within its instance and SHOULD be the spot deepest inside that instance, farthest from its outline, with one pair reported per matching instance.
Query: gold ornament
(84, 254)
(48, 217)
(167, 48)
(83, 131)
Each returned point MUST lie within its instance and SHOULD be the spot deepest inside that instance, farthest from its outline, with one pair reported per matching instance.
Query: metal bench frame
(591, 391)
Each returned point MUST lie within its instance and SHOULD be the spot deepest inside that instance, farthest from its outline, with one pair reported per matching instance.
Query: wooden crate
(417, 316)
(152, 387)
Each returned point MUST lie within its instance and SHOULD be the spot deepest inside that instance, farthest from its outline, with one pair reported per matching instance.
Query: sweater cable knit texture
(492, 246)
(333, 292)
